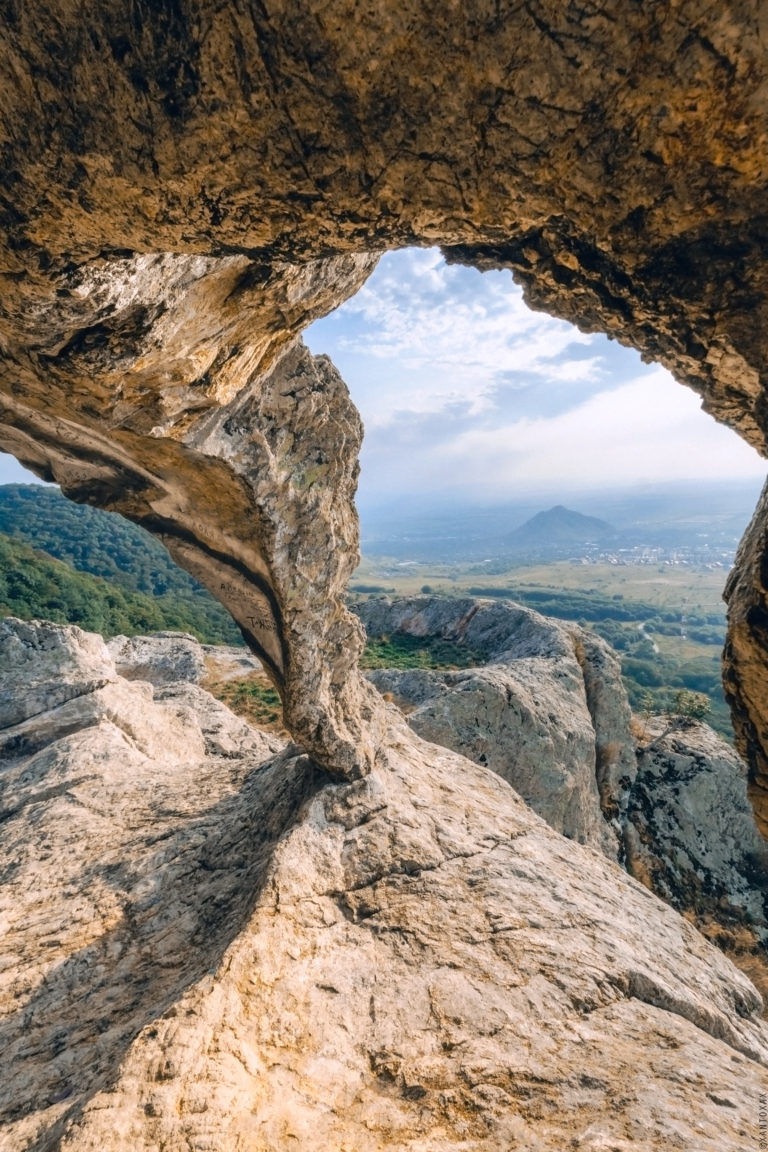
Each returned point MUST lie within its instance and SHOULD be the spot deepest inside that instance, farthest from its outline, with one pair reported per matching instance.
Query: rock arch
(186, 186)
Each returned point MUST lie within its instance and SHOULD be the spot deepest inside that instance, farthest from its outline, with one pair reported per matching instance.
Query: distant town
(697, 556)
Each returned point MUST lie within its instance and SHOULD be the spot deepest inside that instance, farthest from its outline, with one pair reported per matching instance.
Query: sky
(468, 395)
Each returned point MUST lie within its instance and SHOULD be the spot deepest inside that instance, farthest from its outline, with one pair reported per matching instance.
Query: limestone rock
(224, 662)
(745, 669)
(189, 186)
(200, 952)
(224, 733)
(44, 666)
(615, 763)
(681, 821)
(548, 712)
(691, 836)
(162, 658)
(172, 657)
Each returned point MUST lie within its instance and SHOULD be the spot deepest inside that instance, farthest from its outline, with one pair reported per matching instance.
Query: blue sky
(11, 472)
(467, 394)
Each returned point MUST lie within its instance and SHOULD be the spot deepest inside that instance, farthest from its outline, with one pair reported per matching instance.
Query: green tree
(688, 706)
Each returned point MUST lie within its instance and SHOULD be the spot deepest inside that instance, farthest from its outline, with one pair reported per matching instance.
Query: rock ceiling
(187, 185)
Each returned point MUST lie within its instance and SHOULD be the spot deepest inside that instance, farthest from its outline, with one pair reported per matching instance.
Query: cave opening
(481, 413)
(469, 396)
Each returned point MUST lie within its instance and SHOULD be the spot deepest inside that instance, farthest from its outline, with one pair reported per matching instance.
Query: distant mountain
(558, 527)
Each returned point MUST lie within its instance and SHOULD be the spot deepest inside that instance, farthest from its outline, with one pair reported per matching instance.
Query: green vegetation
(74, 565)
(666, 623)
(662, 587)
(401, 650)
(253, 698)
(680, 711)
(256, 700)
(589, 604)
(35, 586)
(682, 707)
(109, 576)
(690, 706)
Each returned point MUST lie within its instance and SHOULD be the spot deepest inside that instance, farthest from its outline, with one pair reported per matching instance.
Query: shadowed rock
(690, 836)
(208, 949)
(188, 186)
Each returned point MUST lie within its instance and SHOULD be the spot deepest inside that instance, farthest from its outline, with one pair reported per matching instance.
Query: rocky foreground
(547, 711)
(207, 944)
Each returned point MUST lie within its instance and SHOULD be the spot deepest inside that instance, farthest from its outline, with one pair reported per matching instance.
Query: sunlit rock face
(187, 186)
(208, 945)
(546, 711)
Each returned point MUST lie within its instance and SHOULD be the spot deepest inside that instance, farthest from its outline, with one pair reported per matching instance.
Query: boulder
(162, 658)
(547, 712)
(226, 953)
(225, 662)
(44, 666)
(557, 727)
(691, 836)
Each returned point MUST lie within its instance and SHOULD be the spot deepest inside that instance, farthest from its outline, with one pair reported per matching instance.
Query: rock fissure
(185, 191)
(413, 871)
(8, 732)
(44, 796)
(196, 217)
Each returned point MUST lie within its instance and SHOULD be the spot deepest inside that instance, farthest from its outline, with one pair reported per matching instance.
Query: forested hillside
(72, 564)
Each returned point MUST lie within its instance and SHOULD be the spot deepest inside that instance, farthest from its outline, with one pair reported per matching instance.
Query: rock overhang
(187, 188)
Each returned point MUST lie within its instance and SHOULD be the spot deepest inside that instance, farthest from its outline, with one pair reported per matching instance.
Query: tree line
(75, 565)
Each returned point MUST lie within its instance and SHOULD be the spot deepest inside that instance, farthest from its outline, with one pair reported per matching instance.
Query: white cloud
(463, 388)
(442, 334)
(643, 431)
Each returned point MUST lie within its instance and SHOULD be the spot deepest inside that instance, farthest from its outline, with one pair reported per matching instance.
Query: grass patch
(401, 650)
(253, 698)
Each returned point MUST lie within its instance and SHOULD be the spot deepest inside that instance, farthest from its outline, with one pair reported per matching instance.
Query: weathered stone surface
(235, 953)
(185, 188)
(273, 532)
(224, 733)
(678, 815)
(745, 660)
(548, 713)
(615, 764)
(188, 185)
(229, 663)
(44, 666)
(535, 734)
(169, 657)
(690, 836)
(162, 658)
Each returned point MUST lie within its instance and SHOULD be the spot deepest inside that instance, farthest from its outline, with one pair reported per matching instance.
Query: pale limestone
(235, 953)
(547, 712)
(189, 187)
(162, 658)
